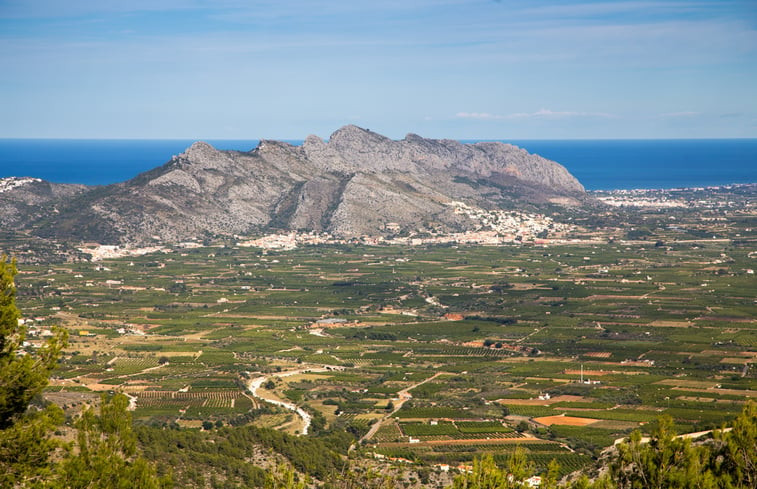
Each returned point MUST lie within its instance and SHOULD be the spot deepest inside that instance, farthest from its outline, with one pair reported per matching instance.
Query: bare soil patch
(698, 384)
(590, 373)
(541, 402)
(469, 441)
(739, 361)
(727, 392)
(709, 399)
(671, 324)
(609, 424)
(598, 354)
(611, 297)
(565, 421)
(717, 353)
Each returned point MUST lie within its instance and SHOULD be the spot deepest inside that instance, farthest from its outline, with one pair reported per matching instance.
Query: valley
(425, 356)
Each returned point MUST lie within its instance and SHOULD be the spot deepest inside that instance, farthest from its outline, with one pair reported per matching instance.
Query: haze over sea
(598, 164)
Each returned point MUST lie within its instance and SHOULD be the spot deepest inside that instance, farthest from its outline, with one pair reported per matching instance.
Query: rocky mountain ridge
(356, 183)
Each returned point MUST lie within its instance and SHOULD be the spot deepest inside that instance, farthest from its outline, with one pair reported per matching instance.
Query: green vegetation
(23, 375)
(104, 454)
(728, 460)
(469, 350)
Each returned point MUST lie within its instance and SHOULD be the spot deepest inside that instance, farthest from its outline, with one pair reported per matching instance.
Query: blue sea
(598, 164)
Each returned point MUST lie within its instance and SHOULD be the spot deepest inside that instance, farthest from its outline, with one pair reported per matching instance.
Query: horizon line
(31, 138)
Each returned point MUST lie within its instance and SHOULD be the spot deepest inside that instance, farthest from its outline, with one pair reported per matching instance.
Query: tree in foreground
(664, 461)
(487, 475)
(104, 454)
(285, 477)
(22, 375)
(25, 445)
(671, 462)
(736, 450)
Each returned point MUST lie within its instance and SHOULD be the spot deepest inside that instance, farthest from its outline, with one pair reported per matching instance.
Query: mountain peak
(354, 134)
(347, 130)
(199, 150)
(312, 139)
(200, 146)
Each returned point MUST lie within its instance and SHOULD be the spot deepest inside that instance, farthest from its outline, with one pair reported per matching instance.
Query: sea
(598, 164)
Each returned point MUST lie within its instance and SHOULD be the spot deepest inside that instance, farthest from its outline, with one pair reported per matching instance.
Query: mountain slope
(25, 199)
(354, 184)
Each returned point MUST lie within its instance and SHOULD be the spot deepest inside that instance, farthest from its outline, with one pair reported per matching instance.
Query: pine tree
(550, 479)
(736, 451)
(105, 453)
(25, 444)
(284, 477)
(486, 474)
(22, 375)
(664, 462)
(105, 456)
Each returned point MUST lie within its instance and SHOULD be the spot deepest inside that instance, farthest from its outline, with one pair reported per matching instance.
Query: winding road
(255, 384)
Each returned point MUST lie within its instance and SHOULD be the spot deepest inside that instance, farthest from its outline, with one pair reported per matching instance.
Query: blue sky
(440, 68)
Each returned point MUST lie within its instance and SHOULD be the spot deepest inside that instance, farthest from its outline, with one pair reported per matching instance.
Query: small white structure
(534, 481)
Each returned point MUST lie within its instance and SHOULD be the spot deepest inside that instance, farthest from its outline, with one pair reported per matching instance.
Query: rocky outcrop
(359, 150)
(356, 183)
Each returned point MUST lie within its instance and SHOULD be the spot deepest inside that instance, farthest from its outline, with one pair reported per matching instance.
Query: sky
(463, 69)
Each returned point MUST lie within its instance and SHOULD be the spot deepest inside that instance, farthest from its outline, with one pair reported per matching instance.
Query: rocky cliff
(356, 183)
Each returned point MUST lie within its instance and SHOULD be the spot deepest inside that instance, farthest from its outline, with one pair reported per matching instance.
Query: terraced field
(609, 330)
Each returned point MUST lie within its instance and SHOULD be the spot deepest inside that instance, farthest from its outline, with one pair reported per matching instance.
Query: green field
(656, 328)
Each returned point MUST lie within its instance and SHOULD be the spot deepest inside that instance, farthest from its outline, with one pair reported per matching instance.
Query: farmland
(438, 352)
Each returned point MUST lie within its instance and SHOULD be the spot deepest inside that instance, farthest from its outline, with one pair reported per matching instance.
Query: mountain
(25, 199)
(354, 184)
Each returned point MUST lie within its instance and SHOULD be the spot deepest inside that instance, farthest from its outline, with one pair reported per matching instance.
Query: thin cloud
(677, 115)
(478, 115)
(593, 9)
(539, 114)
(555, 114)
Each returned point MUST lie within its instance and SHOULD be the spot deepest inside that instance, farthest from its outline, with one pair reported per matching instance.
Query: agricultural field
(433, 354)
